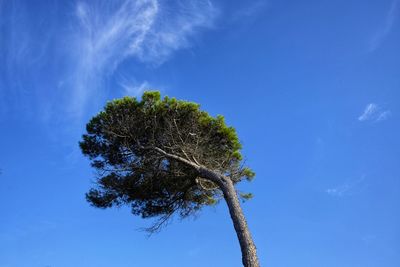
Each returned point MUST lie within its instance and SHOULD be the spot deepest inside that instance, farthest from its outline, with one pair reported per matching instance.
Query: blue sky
(312, 87)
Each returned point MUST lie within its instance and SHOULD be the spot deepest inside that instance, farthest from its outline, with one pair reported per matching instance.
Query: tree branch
(203, 171)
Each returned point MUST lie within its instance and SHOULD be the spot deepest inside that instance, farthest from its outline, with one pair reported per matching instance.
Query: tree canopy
(132, 144)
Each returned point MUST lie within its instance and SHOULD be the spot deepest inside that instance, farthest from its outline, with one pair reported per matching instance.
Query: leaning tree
(166, 156)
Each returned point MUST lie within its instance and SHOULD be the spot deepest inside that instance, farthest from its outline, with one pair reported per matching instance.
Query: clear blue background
(312, 88)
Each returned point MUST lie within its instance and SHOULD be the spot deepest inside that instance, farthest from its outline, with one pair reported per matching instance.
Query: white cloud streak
(373, 112)
(383, 115)
(385, 30)
(132, 88)
(338, 191)
(347, 189)
(369, 111)
(108, 33)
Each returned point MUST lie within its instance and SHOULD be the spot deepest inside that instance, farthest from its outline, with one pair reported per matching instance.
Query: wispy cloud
(22, 56)
(132, 88)
(338, 191)
(369, 111)
(386, 28)
(373, 112)
(109, 33)
(251, 10)
(383, 115)
(69, 60)
(347, 189)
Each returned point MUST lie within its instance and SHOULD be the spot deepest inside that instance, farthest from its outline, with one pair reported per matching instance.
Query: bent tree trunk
(249, 253)
(247, 246)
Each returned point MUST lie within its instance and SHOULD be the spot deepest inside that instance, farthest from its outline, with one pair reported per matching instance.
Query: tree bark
(247, 246)
(249, 252)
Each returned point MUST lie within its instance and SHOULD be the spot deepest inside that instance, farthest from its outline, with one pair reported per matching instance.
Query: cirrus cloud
(373, 112)
(108, 33)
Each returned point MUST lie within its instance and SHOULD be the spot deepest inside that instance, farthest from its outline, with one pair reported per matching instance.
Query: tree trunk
(249, 253)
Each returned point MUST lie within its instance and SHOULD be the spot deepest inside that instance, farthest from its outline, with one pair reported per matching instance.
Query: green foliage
(246, 196)
(121, 141)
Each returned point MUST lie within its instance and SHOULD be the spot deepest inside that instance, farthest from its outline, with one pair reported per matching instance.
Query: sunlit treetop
(128, 142)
